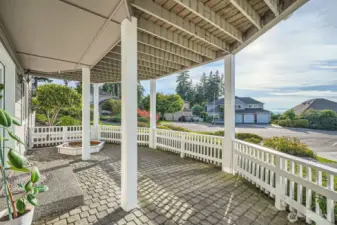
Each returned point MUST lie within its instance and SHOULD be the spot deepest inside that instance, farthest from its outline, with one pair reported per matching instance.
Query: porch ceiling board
(173, 35)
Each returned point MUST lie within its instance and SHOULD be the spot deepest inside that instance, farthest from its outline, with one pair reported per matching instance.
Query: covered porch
(171, 190)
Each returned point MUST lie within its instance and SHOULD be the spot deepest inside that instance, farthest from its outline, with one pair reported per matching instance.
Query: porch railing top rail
(322, 167)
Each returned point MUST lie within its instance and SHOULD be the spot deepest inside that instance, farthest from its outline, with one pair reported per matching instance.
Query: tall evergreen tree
(213, 90)
(184, 85)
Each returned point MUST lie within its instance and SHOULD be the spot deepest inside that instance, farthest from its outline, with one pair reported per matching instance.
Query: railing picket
(308, 193)
(330, 206)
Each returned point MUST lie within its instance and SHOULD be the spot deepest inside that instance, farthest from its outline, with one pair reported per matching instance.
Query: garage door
(238, 118)
(249, 118)
(263, 118)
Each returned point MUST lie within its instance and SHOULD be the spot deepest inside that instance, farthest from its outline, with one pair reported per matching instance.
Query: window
(238, 106)
(250, 106)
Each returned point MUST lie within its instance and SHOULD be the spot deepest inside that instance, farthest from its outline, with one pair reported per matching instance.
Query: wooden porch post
(85, 113)
(152, 143)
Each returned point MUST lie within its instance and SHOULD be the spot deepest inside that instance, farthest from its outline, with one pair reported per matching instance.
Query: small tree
(290, 114)
(197, 109)
(165, 103)
(51, 98)
(114, 106)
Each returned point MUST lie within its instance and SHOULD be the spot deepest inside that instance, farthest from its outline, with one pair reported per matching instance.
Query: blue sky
(293, 62)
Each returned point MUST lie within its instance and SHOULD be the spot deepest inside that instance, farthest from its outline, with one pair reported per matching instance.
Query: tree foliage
(114, 106)
(197, 109)
(51, 98)
(210, 87)
(165, 103)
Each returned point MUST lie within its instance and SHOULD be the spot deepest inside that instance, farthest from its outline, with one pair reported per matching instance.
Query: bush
(115, 119)
(142, 124)
(321, 119)
(300, 123)
(253, 140)
(292, 146)
(246, 136)
(75, 112)
(41, 118)
(68, 121)
(143, 120)
(114, 106)
(105, 117)
(197, 109)
(171, 127)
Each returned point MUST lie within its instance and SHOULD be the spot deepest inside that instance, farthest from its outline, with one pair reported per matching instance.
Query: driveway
(324, 143)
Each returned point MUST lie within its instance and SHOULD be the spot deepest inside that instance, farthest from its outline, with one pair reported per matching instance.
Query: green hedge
(115, 119)
(292, 146)
(246, 136)
(300, 123)
(143, 120)
(68, 121)
(172, 127)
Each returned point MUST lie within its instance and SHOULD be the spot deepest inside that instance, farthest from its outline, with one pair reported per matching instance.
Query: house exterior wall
(16, 99)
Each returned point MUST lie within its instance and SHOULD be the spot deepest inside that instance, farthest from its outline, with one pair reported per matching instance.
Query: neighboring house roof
(246, 100)
(315, 104)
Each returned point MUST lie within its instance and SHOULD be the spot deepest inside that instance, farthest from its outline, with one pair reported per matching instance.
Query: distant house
(186, 111)
(315, 104)
(247, 110)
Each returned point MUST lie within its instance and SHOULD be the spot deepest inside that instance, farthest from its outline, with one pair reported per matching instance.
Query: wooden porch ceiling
(176, 35)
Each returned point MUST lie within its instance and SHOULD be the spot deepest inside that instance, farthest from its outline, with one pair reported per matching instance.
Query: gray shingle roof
(246, 100)
(316, 104)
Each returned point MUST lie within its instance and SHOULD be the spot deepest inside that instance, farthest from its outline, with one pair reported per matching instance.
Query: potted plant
(19, 211)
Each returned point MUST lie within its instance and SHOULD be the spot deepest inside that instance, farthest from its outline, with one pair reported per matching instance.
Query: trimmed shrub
(142, 124)
(253, 140)
(171, 127)
(143, 120)
(115, 119)
(245, 136)
(105, 117)
(41, 118)
(300, 123)
(68, 121)
(114, 106)
(292, 146)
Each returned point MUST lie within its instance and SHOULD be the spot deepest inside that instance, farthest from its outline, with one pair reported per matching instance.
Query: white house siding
(249, 118)
(263, 118)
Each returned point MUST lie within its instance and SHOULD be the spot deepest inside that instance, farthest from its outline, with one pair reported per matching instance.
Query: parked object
(247, 110)
(186, 119)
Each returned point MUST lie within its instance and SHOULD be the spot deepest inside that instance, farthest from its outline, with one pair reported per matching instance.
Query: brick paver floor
(171, 190)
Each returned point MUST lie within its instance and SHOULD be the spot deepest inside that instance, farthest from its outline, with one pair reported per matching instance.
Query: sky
(291, 63)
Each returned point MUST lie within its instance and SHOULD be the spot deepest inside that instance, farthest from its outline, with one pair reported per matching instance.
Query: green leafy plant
(17, 162)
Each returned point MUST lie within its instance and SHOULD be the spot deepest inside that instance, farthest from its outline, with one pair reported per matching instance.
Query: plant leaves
(16, 160)
(41, 188)
(16, 122)
(4, 119)
(15, 137)
(21, 186)
(35, 177)
(29, 186)
(32, 200)
(21, 205)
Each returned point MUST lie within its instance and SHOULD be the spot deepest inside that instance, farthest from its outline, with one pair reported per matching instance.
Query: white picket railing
(206, 148)
(301, 185)
(53, 135)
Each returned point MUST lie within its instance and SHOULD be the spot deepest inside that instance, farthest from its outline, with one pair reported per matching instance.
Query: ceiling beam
(174, 38)
(113, 65)
(272, 4)
(143, 64)
(155, 10)
(207, 14)
(118, 71)
(157, 43)
(248, 11)
(154, 52)
(145, 58)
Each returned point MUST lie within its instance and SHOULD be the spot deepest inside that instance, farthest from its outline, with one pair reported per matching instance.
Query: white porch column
(153, 120)
(129, 114)
(85, 113)
(95, 134)
(229, 117)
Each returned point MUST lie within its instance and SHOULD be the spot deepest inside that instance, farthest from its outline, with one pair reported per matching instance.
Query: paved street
(324, 143)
